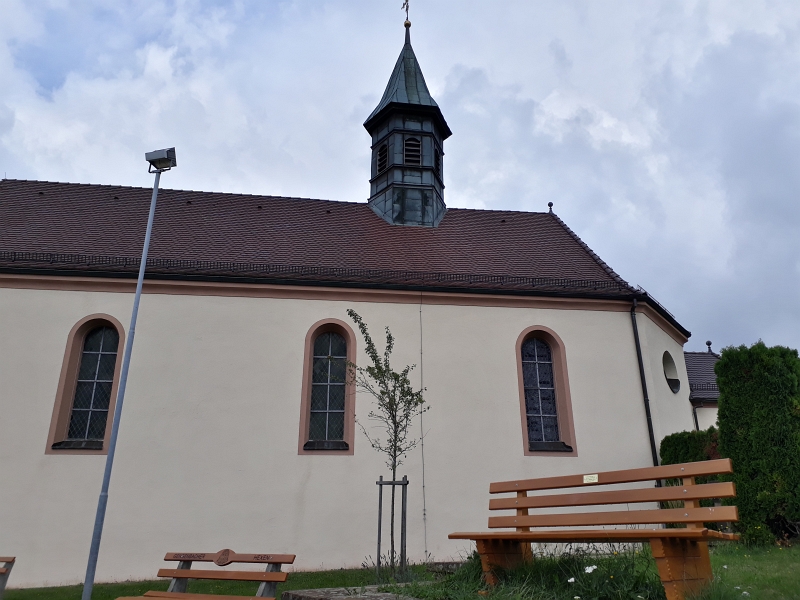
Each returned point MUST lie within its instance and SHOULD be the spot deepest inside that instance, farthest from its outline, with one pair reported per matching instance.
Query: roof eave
(371, 123)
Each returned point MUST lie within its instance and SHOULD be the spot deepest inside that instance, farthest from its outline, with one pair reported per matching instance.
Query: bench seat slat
(190, 596)
(596, 535)
(285, 559)
(3, 570)
(275, 576)
(621, 517)
(662, 494)
(706, 467)
(7, 559)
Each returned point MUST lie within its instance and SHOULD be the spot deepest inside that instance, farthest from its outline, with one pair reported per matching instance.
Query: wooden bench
(268, 579)
(5, 571)
(681, 554)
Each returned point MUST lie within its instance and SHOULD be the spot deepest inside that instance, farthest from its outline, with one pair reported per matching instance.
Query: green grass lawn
(741, 572)
(769, 573)
(350, 578)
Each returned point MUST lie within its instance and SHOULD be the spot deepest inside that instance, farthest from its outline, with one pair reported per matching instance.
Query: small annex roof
(702, 379)
(407, 87)
(97, 230)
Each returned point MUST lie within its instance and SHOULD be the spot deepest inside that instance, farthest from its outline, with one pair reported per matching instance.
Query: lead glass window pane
(326, 421)
(93, 389)
(540, 393)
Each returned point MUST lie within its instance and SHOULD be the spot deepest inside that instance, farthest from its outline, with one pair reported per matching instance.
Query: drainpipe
(644, 387)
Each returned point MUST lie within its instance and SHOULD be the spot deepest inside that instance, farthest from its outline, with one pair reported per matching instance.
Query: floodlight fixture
(161, 160)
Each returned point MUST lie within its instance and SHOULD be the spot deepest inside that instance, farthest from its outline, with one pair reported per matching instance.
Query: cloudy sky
(667, 133)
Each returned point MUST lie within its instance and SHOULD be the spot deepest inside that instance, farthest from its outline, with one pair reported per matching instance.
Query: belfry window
(383, 158)
(412, 151)
(437, 162)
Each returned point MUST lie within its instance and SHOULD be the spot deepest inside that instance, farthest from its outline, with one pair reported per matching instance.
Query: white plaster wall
(707, 416)
(207, 454)
(670, 411)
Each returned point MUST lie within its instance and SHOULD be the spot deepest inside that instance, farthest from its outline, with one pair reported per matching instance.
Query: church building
(238, 430)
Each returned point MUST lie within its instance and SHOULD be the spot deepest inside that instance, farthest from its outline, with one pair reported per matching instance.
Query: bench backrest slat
(662, 494)
(708, 467)
(221, 558)
(7, 559)
(621, 517)
(274, 576)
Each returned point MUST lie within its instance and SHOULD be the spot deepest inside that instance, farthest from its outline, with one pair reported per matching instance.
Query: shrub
(690, 446)
(759, 430)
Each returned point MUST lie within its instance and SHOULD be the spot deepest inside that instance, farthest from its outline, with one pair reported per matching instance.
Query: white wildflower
(724, 566)
(745, 593)
(571, 580)
(590, 569)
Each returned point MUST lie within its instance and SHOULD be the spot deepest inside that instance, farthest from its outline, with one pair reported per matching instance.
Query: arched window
(544, 393)
(329, 376)
(540, 391)
(93, 390)
(87, 387)
(412, 151)
(327, 420)
(383, 158)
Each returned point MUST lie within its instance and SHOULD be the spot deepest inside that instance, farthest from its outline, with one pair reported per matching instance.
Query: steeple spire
(408, 131)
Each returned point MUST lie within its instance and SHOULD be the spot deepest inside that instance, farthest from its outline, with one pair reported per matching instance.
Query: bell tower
(408, 132)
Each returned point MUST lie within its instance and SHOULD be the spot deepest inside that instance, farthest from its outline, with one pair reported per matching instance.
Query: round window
(671, 373)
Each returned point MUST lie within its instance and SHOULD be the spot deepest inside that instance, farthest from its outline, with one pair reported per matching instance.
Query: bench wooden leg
(684, 565)
(503, 554)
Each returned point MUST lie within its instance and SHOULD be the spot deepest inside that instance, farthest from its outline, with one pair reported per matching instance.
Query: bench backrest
(268, 579)
(688, 492)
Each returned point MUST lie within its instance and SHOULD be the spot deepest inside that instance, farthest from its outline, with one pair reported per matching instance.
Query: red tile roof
(69, 227)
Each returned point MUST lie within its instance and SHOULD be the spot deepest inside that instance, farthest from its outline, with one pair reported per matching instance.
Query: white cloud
(665, 133)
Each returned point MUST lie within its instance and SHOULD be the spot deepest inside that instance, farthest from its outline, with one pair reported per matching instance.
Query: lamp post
(160, 161)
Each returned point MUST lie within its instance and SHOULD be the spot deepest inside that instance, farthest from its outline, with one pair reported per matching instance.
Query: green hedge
(759, 430)
(690, 446)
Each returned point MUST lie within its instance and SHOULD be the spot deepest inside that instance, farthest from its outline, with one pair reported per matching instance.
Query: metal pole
(404, 485)
(380, 518)
(94, 550)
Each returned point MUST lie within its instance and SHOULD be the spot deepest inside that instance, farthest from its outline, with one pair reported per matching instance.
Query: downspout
(644, 387)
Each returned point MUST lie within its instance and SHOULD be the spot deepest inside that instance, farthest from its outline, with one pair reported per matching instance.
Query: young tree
(397, 404)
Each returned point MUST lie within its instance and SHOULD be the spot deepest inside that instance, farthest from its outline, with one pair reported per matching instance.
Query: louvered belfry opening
(383, 158)
(412, 152)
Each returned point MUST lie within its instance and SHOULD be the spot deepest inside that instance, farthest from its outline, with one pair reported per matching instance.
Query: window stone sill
(326, 445)
(549, 447)
(78, 445)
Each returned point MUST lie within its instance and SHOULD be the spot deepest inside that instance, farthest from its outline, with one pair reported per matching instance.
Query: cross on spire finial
(405, 8)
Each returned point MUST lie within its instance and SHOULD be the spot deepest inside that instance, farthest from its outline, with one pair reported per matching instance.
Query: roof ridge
(591, 252)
